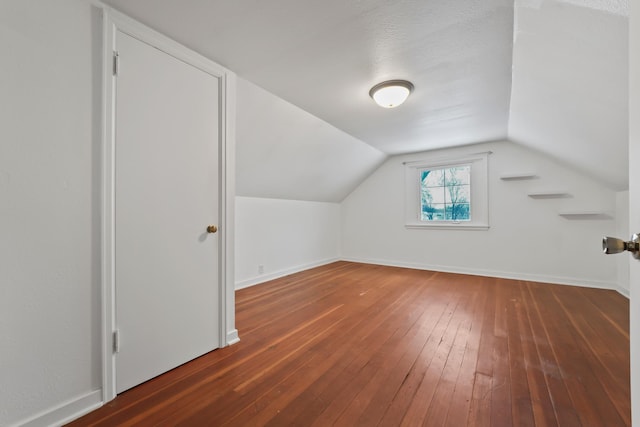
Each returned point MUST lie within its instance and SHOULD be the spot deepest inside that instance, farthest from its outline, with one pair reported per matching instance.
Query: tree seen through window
(446, 194)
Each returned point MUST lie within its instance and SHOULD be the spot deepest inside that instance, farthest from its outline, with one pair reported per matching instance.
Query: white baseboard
(232, 337)
(623, 291)
(65, 412)
(559, 280)
(275, 275)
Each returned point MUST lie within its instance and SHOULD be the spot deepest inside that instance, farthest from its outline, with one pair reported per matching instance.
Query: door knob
(611, 245)
(212, 229)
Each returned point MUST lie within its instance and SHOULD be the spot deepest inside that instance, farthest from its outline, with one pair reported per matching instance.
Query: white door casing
(159, 195)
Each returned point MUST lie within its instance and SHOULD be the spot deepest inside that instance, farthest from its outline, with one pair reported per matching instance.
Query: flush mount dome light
(391, 93)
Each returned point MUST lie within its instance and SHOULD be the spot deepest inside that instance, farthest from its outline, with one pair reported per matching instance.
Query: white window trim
(479, 192)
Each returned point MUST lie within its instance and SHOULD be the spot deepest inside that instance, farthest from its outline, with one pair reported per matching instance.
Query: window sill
(447, 226)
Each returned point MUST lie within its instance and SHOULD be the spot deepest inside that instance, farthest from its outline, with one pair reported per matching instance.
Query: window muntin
(445, 194)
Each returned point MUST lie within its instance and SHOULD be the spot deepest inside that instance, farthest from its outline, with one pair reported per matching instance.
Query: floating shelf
(517, 176)
(585, 215)
(549, 195)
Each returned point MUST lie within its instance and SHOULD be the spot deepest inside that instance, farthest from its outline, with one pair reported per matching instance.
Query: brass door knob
(212, 229)
(611, 245)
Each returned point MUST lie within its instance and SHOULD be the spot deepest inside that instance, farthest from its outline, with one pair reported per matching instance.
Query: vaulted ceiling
(548, 74)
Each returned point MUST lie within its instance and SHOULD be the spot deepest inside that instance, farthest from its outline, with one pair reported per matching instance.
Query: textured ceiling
(324, 56)
(568, 62)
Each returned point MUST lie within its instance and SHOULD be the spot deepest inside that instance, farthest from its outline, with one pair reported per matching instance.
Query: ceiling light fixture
(391, 93)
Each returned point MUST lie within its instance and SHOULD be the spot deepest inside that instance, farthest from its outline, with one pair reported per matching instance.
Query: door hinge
(116, 341)
(116, 63)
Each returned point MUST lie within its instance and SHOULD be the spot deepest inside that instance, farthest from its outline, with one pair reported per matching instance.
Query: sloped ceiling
(570, 84)
(567, 97)
(286, 153)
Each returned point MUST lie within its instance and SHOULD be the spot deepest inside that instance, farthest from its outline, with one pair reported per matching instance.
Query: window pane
(458, 194)
(457, 212)
(457, 175)
(426, 204)
(445, 194)
(432, 178)
(433, 195)
(445, 203)
(433, 212)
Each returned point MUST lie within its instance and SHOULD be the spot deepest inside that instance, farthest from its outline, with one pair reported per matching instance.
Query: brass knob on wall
(212, 229)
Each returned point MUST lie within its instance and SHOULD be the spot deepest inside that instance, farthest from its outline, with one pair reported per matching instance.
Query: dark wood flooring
(361, 345)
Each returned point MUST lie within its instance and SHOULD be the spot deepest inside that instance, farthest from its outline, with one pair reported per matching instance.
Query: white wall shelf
(517, 176)
(585, 215)
(549, 194)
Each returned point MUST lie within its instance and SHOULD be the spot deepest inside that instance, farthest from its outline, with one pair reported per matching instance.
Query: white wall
(49, 206)
(284, 236)
(527, 238)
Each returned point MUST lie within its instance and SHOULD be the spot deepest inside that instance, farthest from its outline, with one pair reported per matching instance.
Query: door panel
(634, 203)
(166, 194)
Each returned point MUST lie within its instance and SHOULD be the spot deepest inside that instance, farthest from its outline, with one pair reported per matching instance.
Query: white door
(634, 203)
(166, 194)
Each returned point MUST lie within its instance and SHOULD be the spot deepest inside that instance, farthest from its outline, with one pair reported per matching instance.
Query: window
(447, 193)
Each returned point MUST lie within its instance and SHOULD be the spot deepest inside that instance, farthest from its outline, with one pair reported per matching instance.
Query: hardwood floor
(361, 345)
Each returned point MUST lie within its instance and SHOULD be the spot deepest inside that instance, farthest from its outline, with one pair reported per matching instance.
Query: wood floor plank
(501, 402)
(521, 402)
(607, 362)
(369, 363)
(587, 394)
(371, 402)
(562, 409)
(541, 405)
(351, 344)
(480, 404)
(419, 408)
(452, 375)
(312, 398)
(612, 306)
(481, 396)
(406, 394)
(460, 407)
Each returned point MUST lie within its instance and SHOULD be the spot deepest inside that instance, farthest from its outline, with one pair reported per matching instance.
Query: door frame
(113, 22)
(634, 203)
